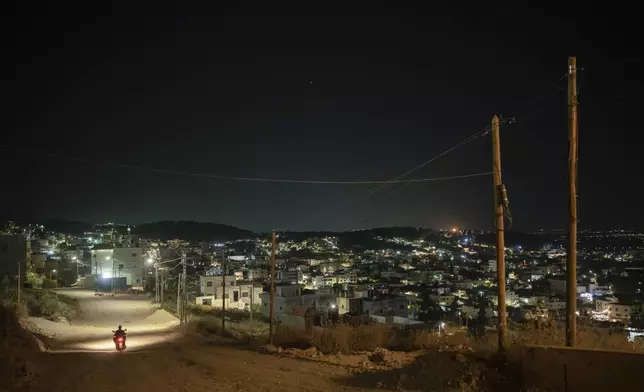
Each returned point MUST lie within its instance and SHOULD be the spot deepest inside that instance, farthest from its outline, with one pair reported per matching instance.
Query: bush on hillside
(51, 305)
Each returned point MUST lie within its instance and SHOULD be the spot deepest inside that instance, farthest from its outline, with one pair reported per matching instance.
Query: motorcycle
(119, 341)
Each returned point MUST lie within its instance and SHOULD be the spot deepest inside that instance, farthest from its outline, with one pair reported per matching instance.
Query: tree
(454, 309)
(477, 326)
(430, 310)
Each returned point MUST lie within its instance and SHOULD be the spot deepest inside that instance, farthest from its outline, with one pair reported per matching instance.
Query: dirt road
(91, 331)
(158, 360)
(188, 364)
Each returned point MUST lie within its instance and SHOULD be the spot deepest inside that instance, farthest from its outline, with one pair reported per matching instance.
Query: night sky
(307, 94)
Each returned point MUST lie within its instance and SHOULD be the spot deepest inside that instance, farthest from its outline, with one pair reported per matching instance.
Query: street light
(107, 258)
(51, 273)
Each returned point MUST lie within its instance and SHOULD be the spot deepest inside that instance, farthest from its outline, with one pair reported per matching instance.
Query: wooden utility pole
(272, 305)
(223, 289)
(499, 202)
(184, 287)
(252, 294)
(179, 311)
(19, 282)
(162, 287)
(571, 264)
(156, 283)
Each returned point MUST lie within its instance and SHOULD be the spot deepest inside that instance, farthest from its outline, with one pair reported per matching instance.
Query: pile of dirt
(379, 359)
(17, 351)
(389, 358)
(160, 316)
(310, 352)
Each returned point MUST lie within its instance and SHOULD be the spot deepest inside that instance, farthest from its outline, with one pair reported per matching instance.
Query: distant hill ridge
(190, 230)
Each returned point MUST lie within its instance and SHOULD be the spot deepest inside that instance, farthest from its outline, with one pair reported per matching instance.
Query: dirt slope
(18, 349)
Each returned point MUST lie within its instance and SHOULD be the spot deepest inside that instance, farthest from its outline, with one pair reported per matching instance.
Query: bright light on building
(150, 260)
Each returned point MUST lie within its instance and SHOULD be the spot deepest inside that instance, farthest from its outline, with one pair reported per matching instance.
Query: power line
(393, 191)
(398, 178)
(510, 120)
(476, 135)
(258, 179)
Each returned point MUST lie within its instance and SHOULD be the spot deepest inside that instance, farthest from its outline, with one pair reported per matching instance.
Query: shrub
(250, 332)
(49, 284)
(19, 309)
(50, 305)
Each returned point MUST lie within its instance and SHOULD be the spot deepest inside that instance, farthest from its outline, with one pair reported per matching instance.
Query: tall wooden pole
(252, 294)
(161, 288)
(272, 305)
(184, 287)
(571, 264)
(156, 283)
(500, 239)
(179, 311)
(19, 288)
(223, 289)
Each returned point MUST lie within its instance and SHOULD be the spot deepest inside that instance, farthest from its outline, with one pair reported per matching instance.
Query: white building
(257, 274)
(291, 295)
(612, 310)
(511, 298)
(330, 280)
(239, 297)
(130, 263)
(604, 305)
(208, 284)
(555, 304)
(623, 312)
(111, 262)
(288, 276)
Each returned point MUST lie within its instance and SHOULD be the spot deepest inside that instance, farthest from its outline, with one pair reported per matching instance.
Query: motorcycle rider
(119, 333)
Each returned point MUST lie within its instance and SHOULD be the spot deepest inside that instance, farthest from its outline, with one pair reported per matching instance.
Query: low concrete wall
(568, 369)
